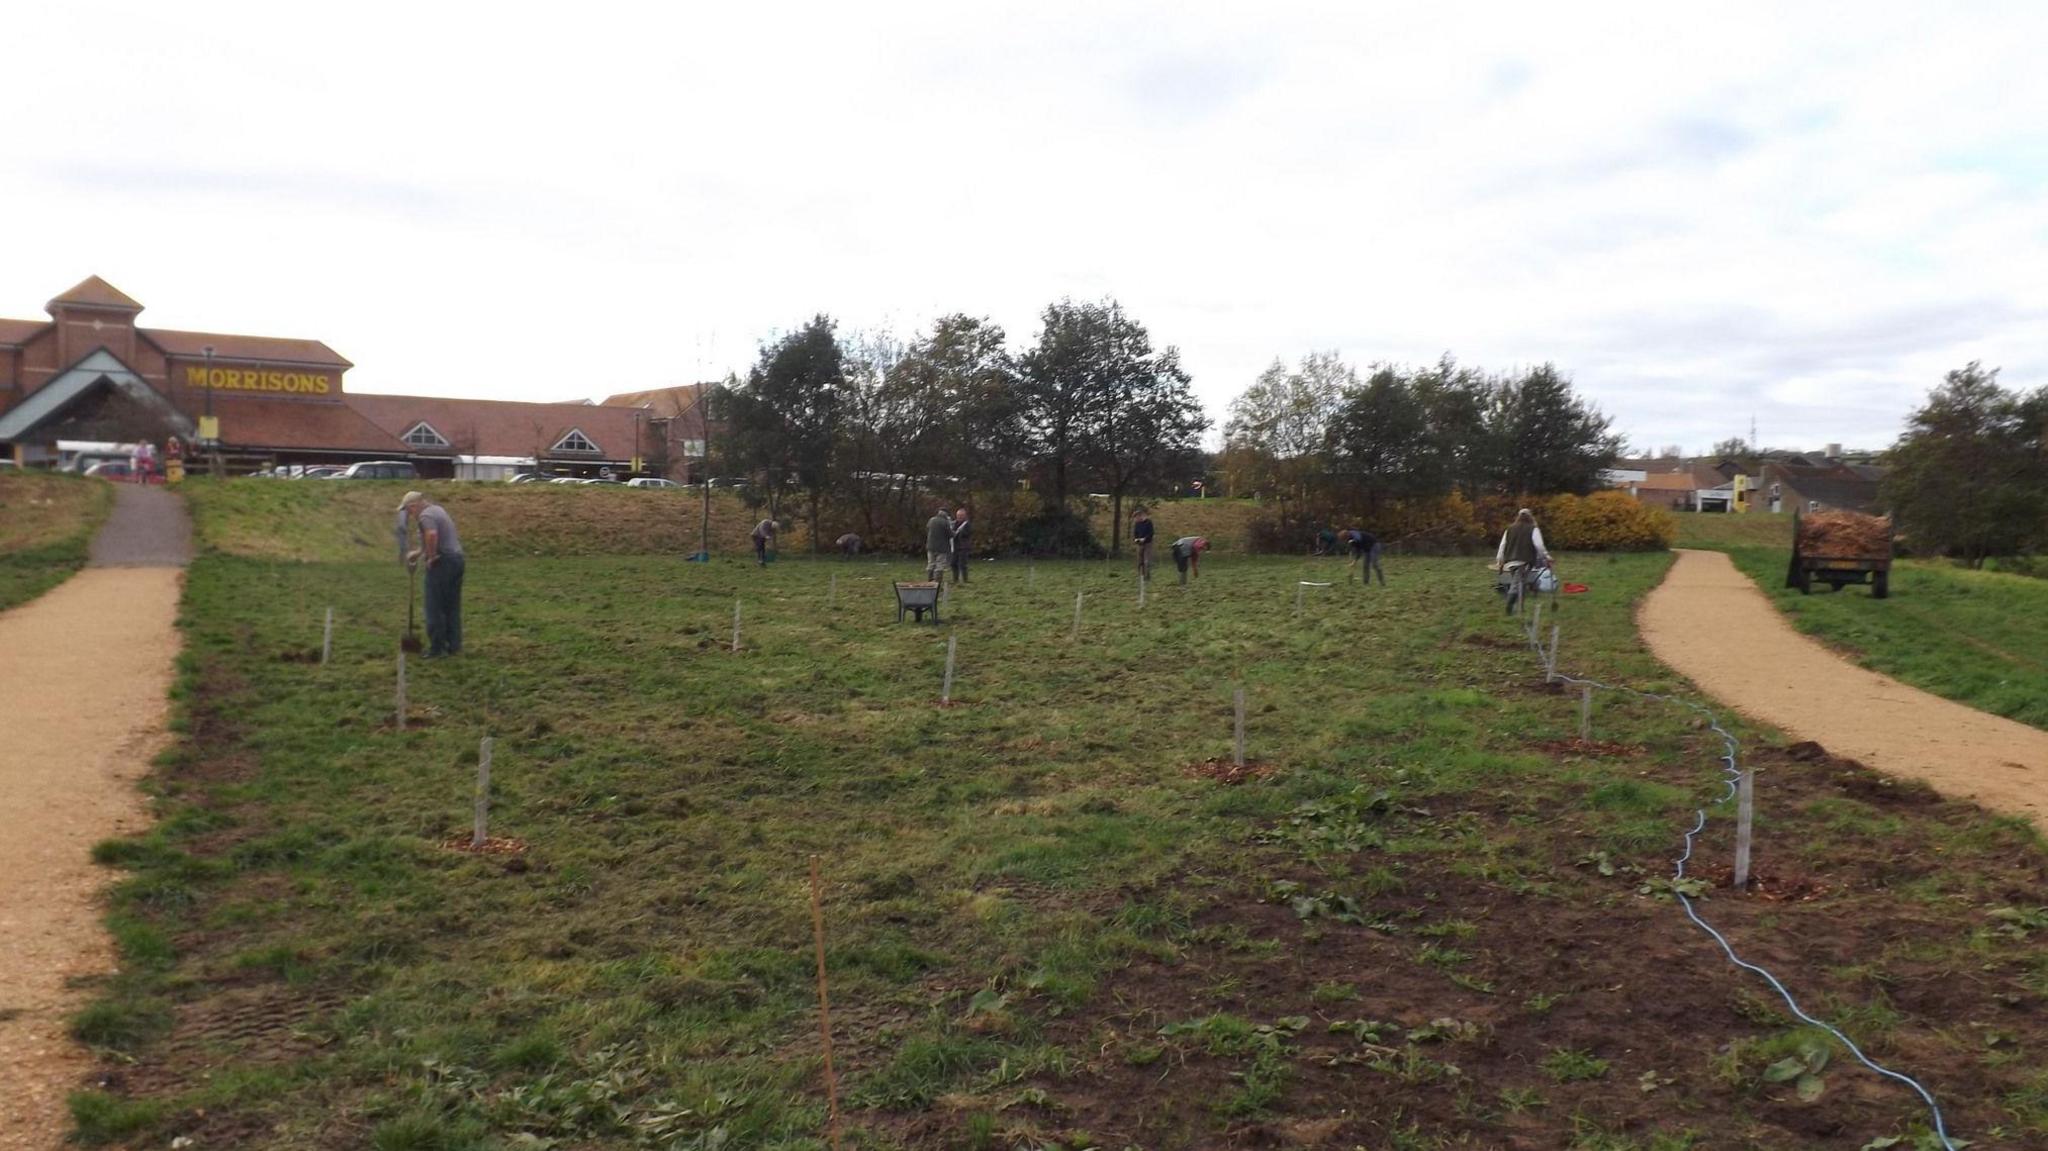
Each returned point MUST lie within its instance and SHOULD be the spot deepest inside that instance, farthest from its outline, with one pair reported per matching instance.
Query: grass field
(46, 524)
(1425, 917)
(1975, 636)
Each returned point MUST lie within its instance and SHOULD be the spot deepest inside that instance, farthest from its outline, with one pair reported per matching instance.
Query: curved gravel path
(87, 669)
(1711, 624)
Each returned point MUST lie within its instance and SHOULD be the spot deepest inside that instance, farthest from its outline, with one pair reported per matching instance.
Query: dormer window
(575, 441)
(423, 435)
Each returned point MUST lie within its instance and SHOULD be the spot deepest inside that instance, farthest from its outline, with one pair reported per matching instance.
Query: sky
(1797, 215)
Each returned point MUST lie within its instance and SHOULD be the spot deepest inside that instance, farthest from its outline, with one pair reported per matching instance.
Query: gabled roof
(679, 403)
(506, 427)
(22, 420)
(260, 422)
(14, 333)
(269, 350)
(96, 293)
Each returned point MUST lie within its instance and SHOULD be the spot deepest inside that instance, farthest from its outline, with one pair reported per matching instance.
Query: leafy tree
(782, 424)
(1968, 476)
(957, 405)
(1380, 440)
(1454, 403)
(1149, 422)
(1064, 380)
(1278, 429)
(1734, 447)
(1546, 439)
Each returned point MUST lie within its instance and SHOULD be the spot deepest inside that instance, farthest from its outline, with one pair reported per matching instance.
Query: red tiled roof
(95, 292)
(678, 403)
(508, 427)
(261, 422)
(266, 349)
(21, 331)
(1668, 482)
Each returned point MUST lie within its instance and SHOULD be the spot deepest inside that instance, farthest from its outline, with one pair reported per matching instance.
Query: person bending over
(1365, 548)
(1187, 556)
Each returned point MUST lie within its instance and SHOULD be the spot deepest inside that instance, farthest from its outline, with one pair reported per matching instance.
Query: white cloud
(1802, 213)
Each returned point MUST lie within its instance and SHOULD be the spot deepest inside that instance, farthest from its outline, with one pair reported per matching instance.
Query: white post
(832, 592)
(1077, 614)
(1745, 811)
(1585, 712)
(735, 627)
(1536, 622)
(483, 793)
(1550, 661)
(327, 639)
(1239, 703)
(1141, 589)
(1030, 573)
(946, 691)
(401, 689)
(1299, 588)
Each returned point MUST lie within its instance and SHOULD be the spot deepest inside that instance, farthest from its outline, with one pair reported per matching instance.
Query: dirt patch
(1584, 747)
(1711, 624)
(1227, 771)
(492, 845)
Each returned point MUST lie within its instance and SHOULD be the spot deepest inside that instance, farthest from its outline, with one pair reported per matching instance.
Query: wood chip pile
(1845, 534)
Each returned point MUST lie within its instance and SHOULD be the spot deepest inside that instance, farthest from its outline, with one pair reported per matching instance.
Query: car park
(651, 482)
(319, 472)
(602, 483)
(378, 470)
(566, 480)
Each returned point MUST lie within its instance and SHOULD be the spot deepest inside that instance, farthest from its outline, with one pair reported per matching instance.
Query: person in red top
(1187, 556)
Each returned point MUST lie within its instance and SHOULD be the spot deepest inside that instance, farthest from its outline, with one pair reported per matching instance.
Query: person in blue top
(1141, 535)
(1365, 547)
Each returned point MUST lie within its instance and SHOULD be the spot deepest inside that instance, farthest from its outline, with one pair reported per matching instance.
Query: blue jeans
(444, 605)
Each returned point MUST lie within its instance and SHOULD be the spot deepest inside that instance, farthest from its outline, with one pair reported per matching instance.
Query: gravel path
(1711, 624)
(87, 668)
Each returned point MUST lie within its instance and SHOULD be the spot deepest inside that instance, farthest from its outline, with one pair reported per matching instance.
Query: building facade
(92, 373)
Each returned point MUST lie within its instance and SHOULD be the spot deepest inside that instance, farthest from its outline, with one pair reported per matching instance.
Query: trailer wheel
(1804, 582)
(1880, 585)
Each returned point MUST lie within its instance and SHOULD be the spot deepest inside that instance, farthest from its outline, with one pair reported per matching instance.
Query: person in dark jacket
(1365, 547)
(938, 545)
(1141, 535)
(963, 531)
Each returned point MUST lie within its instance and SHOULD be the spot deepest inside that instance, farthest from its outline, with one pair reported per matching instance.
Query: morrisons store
(91, 373)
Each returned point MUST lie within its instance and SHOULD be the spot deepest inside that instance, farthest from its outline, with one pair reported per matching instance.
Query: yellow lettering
(218, 378)
(320, 385)
(274, 381)
(195, 377)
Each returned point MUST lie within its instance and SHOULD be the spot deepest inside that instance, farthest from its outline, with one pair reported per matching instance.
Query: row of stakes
(1745, 786)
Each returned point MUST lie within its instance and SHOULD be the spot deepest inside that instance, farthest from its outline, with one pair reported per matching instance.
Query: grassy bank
(46, 526)
(1425, 917)
(1977, 637)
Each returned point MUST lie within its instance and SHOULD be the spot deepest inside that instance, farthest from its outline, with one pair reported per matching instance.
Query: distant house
(1702, 484)
(1808, 486)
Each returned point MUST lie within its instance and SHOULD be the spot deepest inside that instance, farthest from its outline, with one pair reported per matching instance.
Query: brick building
(91, 373)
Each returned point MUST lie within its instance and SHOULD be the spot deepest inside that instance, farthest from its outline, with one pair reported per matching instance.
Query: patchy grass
(46, 524)
(1042, 929)
(1977, 637)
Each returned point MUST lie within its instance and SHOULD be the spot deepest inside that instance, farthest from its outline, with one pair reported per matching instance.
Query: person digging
(1187, 556)
(440, 550)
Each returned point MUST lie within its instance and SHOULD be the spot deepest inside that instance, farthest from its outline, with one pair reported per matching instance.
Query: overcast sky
(1802, 213)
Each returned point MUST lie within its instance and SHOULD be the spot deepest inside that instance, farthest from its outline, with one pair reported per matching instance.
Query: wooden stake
(401, 689)
(327, 639)
(1585, 712)
(735, 627)
(1745, 812)
(1550, 661)
(824, 1006)
(1077, 614)
(1239, 702)
(946, 692)
(483, 794)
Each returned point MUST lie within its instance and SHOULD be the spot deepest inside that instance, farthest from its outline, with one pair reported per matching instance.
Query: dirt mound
(1834, 533)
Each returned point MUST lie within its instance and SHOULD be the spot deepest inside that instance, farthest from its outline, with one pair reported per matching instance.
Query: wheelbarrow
(919, 596)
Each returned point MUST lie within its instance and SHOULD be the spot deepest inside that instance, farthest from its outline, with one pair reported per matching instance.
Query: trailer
(1845, 551)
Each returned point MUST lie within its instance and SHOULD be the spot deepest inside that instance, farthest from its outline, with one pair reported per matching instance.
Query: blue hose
(1733, 774)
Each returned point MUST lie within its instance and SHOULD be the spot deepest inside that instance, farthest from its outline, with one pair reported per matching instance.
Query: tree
(1148, 424)
(956, 395)
(783, 423)
(1671, 452)
(1063, 382)
(1380, 439)
(1278, 429)
(1734, 447)
(1546, 440)
(1968, 477)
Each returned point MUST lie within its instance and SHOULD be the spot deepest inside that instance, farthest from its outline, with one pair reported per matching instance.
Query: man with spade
(441, 550)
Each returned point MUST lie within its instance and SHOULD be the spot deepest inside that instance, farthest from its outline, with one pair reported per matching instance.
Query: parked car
(378, 470)
(729, 482)
(319, 472)
(602, 483)
(651, 482)
(565, 480)
(112, 470)
(529, 478)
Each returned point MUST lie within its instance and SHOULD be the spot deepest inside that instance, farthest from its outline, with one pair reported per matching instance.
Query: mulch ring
(492, 845)
(1227, 772)
(1769, 888)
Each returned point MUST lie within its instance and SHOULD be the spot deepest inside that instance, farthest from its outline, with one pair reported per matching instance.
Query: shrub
(1609, 521)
